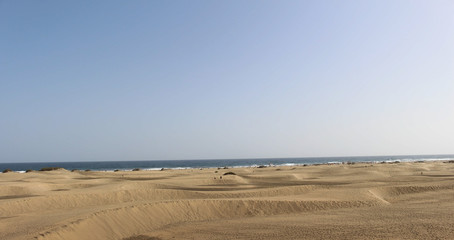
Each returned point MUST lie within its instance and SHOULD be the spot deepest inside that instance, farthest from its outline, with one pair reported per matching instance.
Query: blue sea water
(213, 163)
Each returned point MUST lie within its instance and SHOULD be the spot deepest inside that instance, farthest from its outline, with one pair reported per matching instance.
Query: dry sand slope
(361, 201)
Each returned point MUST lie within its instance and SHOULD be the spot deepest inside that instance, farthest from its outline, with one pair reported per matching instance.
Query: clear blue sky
(144, 80)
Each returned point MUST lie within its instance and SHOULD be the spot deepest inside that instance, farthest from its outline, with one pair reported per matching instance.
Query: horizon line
(207, 159)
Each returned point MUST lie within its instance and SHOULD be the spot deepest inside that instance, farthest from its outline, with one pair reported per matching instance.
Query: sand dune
(361, 201)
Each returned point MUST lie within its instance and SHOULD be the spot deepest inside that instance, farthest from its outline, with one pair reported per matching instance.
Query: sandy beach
(358, 201)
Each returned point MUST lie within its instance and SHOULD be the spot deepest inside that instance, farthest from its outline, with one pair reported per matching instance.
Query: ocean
(214, 163)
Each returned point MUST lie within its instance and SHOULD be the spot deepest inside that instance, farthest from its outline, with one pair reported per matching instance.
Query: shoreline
(447, 160)
(214, 163)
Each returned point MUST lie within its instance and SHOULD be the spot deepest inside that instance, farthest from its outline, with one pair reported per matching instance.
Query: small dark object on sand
(261, 166)
(50, 168)
(142, 237)
(7, 170)
(28, 170)
(136, 169)
(229, 173)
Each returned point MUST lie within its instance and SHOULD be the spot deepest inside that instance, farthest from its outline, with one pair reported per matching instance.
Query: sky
(160, 80)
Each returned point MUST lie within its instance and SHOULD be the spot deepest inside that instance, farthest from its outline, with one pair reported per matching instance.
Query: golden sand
(360, 201)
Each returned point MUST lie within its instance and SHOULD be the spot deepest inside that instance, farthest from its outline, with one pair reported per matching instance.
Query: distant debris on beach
(50, 169)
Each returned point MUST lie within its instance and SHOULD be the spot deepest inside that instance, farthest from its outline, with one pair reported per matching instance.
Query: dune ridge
(112, 222)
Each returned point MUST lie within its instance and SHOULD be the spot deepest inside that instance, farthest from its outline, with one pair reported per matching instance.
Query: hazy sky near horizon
(145, 80)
